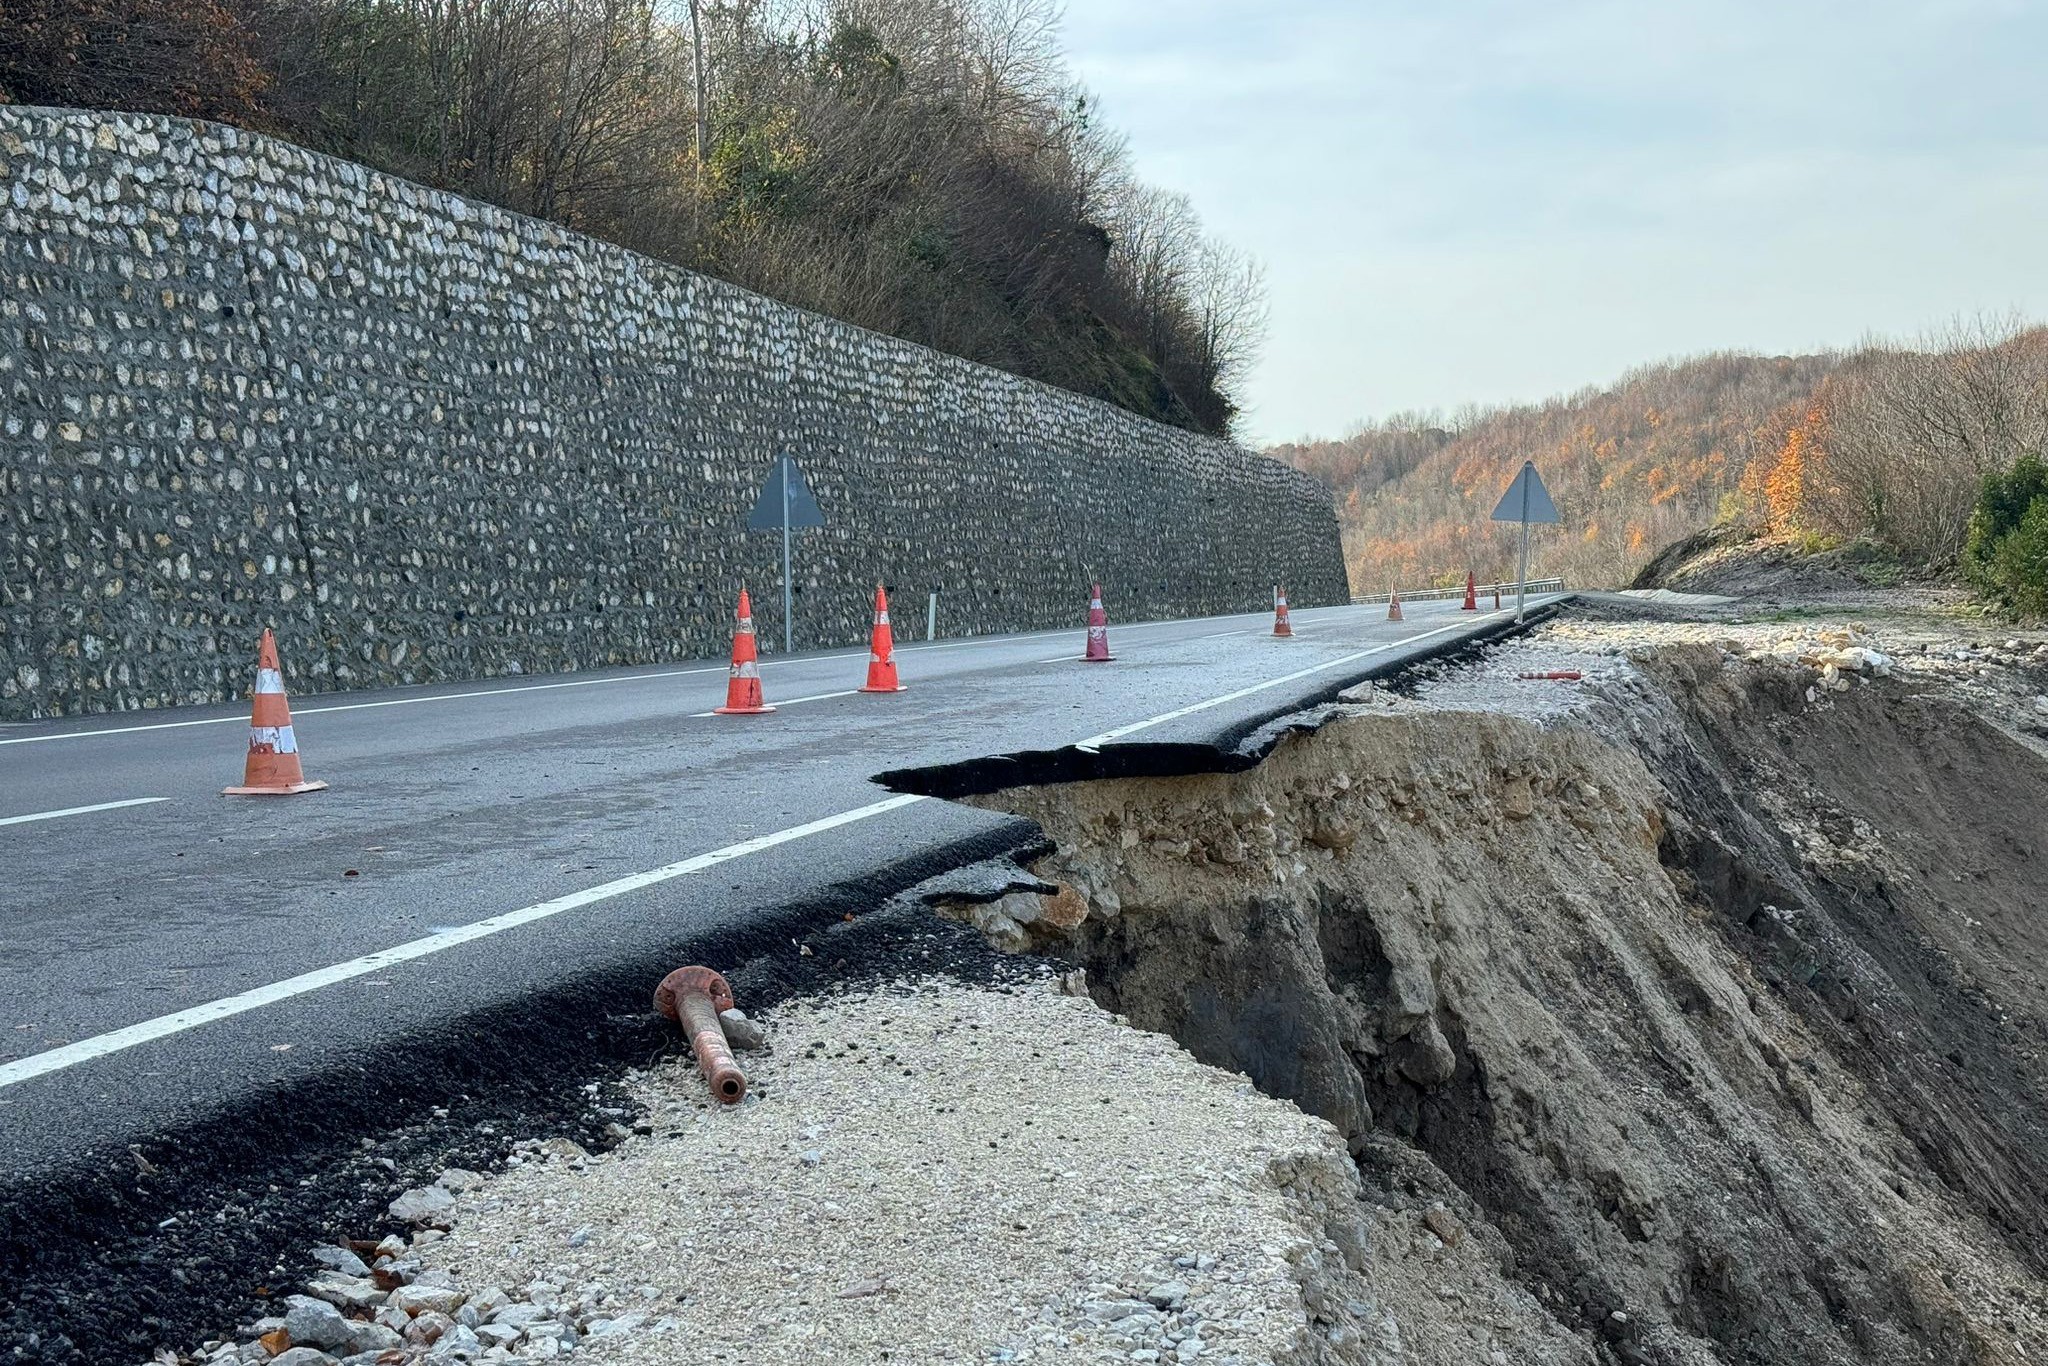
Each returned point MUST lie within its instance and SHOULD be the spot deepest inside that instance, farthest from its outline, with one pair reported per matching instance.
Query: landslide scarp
(1715, 1009)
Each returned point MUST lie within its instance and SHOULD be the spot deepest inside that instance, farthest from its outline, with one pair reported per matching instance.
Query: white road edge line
(70, 1055)
(1097, 741)
(775, 703)
(80, 810)
(115, 1041)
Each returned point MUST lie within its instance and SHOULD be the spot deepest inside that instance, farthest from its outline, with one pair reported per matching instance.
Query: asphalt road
(485, 840)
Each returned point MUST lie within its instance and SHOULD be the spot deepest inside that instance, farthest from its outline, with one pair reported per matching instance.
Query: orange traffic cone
(1471, 592)
(882, 650)
(1281, 626)
(743, 688)
(1394, 604)
(272, 769)
(1098, 629)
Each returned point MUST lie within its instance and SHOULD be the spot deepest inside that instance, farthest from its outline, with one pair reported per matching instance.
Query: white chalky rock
(431, 1205)
(420, 1299)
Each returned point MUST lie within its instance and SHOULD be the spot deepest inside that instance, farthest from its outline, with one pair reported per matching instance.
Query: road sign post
(1525, 501)
(786, 505)
(789, 591)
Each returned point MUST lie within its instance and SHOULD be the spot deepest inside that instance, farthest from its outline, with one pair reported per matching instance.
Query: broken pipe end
(692, 997)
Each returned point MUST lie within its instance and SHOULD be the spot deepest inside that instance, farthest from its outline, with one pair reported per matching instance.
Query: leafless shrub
(1909, 432)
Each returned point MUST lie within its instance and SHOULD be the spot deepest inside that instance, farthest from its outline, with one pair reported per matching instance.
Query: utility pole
(703, 95)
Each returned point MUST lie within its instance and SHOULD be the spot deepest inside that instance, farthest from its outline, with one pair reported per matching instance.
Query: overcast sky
(1486, 200)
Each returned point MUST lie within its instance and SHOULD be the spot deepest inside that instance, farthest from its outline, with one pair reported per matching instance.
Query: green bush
(2006, 557)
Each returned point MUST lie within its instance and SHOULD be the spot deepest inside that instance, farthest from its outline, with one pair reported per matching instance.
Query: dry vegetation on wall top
(925, 168)
(1890, 445)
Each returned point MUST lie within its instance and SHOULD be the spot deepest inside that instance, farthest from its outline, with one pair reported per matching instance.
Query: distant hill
(1633, 466)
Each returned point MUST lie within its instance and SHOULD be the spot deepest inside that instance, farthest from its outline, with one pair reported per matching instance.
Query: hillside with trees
(1931, 453)
(1631, 465)
(925, 168)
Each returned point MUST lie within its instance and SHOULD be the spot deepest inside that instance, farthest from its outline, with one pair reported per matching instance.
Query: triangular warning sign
(1526, 499)
(803, 508)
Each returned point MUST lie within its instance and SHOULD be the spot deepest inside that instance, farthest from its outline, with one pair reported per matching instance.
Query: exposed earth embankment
(1711, 983)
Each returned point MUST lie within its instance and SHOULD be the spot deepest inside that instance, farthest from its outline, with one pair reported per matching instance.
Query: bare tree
(925, 167)
(1230, 311)
(1909, 433)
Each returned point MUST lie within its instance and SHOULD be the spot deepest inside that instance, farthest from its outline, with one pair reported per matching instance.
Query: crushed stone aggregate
(948, 1173)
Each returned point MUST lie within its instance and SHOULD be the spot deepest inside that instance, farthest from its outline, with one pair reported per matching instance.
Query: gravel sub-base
(941, 1173)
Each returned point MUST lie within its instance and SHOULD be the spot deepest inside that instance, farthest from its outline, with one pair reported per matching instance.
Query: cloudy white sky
(1486, 200)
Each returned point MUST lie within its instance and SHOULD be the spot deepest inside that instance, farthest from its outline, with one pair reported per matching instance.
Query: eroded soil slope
(1714, 1006)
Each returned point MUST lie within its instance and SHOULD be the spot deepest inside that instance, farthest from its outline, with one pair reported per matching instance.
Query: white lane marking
(1240, 631)
(85, 1050)
(788, 701)
(1124, 631)
(1097, 741)
(80, 810)
(70, 1055)
(978, 640)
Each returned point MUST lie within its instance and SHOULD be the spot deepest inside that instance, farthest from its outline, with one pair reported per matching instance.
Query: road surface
(168, 949)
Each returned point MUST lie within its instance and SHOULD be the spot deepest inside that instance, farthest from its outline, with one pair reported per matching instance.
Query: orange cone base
(900, 687)
(1096, 659)
(286, 790)
(741, 711)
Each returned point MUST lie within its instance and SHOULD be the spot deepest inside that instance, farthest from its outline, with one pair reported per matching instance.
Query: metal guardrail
(1486, 590)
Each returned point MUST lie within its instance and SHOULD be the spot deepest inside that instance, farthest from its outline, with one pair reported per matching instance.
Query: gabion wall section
(426, 439)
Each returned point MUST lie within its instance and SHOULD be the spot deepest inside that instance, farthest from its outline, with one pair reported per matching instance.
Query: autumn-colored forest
(1888, 443)
(926, 168)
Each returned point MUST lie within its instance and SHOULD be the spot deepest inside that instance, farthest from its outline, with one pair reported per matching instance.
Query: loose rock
(430, 1205)
(314, 1323)
(741, 1032)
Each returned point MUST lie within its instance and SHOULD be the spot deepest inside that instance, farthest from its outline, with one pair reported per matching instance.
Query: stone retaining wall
(427, 439)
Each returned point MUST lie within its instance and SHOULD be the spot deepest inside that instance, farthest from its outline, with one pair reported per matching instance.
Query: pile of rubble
(1836, 654)
(934, 1171)
(377, 1303)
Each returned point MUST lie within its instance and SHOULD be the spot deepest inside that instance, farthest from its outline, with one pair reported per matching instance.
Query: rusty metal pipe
(692, 997)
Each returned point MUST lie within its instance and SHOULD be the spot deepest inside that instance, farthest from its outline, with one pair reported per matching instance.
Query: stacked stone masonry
(427, 439)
